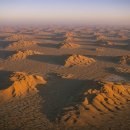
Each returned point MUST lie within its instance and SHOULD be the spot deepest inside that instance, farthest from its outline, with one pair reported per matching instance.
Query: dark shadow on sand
(113, 59)
(50, 45)
(5, 54)
(113, 71)
(4, 79)
(60, 93)
(4, 44)
(52, 59)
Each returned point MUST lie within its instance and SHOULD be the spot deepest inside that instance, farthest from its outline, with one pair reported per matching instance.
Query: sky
(66, 11)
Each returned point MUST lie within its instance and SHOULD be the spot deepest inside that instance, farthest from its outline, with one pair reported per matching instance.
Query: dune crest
(21, 43)
(78, 60)
(20, 55)
(97, 102)
(21, 84)
(69, 42)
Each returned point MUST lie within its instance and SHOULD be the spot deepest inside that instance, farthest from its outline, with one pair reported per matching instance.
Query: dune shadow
(54, 38)
(113, 59)
(52, 59)
(4, 44)
(118, 45)
(113, 71)
(4, 79)
(60, 93)
(50, 45)
(5, 54)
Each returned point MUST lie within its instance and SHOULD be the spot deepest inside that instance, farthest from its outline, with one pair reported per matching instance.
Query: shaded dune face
(19, 84)
(78, 60)
(95, 103)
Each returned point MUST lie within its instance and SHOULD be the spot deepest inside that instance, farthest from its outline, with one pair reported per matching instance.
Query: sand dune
(69, 42)
(69, 45)
(109, 43)
(96, 103)
(122, 69)
(124, 59)
(20, 85)
(21, 44)
(20, 55)
(16, 37)
(100, 49)
(78, 60)
(101, 37)
(103, 40)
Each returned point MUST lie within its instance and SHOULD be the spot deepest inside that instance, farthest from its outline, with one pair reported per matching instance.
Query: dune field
(64, 78)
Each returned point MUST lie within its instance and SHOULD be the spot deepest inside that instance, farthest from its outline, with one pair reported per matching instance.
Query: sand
(62, 78)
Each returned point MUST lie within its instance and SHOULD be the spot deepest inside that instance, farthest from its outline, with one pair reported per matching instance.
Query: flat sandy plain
(72, 78)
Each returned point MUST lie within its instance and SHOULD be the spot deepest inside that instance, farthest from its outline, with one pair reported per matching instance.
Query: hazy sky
(66, 11)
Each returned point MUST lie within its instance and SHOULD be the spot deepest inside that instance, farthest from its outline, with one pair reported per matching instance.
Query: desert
(67, 81)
